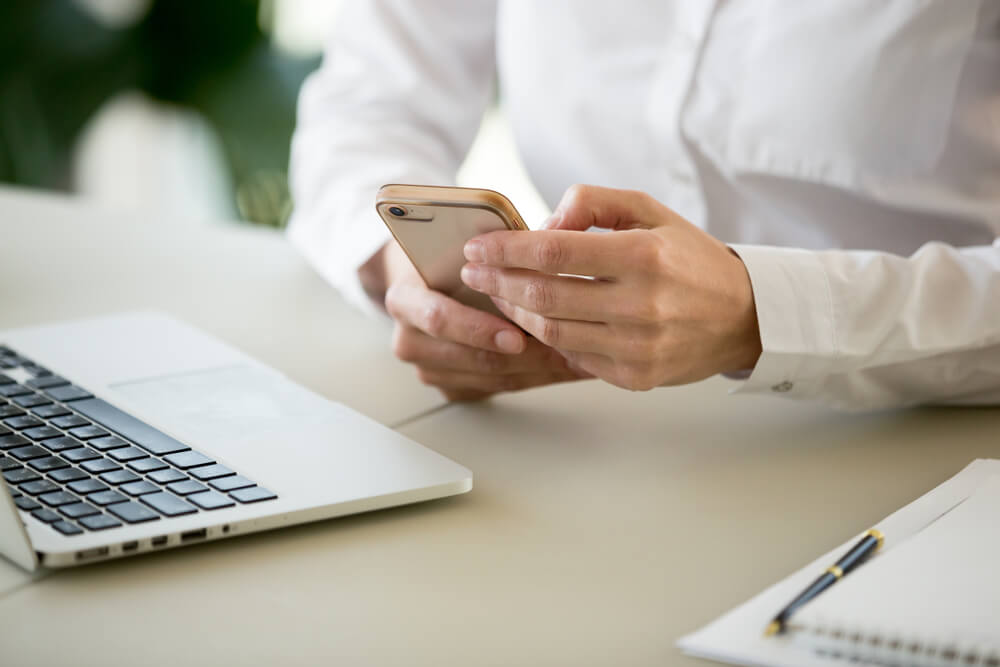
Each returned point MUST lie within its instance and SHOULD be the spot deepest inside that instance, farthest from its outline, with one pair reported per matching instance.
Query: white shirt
(849, 151)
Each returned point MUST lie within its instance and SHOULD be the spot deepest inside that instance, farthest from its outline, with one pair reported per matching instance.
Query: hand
(466, 353)
(665, 302)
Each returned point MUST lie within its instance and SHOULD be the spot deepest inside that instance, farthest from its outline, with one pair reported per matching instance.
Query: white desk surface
(602, 526)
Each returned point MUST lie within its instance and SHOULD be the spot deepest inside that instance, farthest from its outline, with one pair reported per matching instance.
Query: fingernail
(470, 275)
(474, 251)
(509, 342)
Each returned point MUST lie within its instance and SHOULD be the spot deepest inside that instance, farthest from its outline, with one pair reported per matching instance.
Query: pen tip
(772, 629)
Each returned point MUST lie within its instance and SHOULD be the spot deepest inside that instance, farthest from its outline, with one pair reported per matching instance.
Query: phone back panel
(434, 232)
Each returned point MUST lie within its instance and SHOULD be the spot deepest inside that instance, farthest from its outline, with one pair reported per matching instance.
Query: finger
(564, 297)
(586, 206)
(414, 346)
(568, 252)
(444, 318)
(631, 376)
(573, 335)
(457, 382)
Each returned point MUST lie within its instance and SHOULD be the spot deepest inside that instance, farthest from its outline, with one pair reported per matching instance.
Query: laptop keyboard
(77, 463)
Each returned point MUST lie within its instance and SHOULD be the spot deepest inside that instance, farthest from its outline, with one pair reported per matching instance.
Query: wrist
(747, 346)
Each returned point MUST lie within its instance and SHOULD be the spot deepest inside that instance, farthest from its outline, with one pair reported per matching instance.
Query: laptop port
(96, 552)
(158, 541)
(194, 535)
(130, 546)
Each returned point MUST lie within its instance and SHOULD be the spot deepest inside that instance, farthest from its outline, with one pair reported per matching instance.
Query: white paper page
(939, 588)
(737, 636)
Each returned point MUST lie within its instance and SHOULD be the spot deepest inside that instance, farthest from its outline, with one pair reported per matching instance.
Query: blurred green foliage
(58, 65)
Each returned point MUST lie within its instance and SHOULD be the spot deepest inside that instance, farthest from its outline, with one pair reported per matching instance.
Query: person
(805, 196)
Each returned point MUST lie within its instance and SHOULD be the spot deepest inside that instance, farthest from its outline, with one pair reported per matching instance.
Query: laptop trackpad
(223, 405)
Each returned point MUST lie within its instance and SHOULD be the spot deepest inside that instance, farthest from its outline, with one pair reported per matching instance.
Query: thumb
(586, 206)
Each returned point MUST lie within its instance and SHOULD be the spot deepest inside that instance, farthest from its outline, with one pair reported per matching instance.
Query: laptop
(133, 433)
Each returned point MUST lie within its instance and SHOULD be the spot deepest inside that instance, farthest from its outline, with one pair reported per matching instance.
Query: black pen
(869, 544)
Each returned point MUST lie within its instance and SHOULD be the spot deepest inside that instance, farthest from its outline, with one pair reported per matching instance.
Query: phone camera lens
(397, 211)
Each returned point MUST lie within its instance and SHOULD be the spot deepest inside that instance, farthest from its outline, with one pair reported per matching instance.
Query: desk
(603, 525)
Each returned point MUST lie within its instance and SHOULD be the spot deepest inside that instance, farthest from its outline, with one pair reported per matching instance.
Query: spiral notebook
(933, 600)
(930, 597)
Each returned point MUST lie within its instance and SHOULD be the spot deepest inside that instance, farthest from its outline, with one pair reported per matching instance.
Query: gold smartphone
(432, 224)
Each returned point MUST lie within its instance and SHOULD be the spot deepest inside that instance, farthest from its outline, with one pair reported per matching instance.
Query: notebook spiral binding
(894, 649)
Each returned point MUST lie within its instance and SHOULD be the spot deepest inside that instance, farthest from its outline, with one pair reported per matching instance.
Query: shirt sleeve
(398, 99)
(868, 330)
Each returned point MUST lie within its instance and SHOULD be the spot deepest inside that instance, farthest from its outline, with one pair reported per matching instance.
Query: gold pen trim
(835, 571)
(877, 534)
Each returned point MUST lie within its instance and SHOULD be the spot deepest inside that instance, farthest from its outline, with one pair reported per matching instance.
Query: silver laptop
(135, 433)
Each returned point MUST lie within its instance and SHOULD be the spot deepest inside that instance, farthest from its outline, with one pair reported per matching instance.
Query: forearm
(867, 330)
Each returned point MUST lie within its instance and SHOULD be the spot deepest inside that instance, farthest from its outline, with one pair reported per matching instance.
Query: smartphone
(432, 224)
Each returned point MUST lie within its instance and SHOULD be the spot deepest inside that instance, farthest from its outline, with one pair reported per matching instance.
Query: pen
(869, 544)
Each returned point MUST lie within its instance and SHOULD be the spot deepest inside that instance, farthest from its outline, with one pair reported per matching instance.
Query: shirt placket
(670, 93)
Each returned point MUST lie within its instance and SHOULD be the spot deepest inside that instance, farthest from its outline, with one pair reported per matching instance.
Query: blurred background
(185, 107)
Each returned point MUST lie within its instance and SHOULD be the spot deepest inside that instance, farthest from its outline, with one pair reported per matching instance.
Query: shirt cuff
(796, 318)
(337, 253)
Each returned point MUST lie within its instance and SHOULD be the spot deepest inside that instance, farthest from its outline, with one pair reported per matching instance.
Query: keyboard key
(31, 400)
(10, 411)
(11, 441)
(108, 442)
(127, 454)
(26, 503)
(231, 483)
(141, 433)
(48, 463)
(210, 500)
(186, 487)
(38, 487)
(103, 498)
(211, 472)
(69, 421)
(64, 475)
(46, 381)
(98, 466)
(81, 454)
(23, 422)
(8, 463)
(42, 433)
(66, 393)
(5, 379)
(5, 431)
(88, 432)
(20, 475)
(100, 522)
(67, 528)
(36, 370)
(188, 459)
(85, 486)
(147, 465)
(77, 510)
(253, 495)
(139, 488)
(133, 512)
(119, 477)
(167, 476)
(49, 411)
(46, 515)
(57, 498)
(61, 443)
(29, 452)
(167, 504)
(9, 390)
